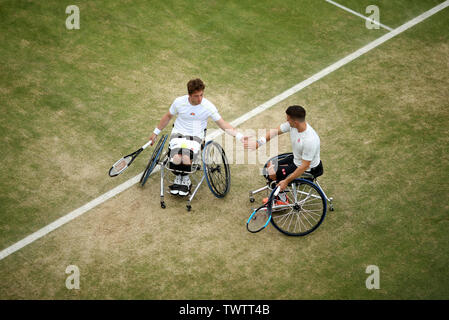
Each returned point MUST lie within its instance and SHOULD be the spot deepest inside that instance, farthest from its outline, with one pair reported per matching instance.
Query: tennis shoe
(174, 188)
(280, 199)
(184, 188)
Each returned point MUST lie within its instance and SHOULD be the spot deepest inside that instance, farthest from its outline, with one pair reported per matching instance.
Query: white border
(92, 204)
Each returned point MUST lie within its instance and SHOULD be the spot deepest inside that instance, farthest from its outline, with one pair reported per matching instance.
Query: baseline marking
(268, 104)
(359, 15)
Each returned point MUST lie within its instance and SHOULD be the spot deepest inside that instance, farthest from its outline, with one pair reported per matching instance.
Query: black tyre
(154, 159)
(216, 169)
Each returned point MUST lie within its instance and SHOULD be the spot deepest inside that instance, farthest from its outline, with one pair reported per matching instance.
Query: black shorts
(286, 166)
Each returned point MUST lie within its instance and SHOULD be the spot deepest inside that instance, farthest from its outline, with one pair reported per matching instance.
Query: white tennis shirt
(305, 145)
(192, 120)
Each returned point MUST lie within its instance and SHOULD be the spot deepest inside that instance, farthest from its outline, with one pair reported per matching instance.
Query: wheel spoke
(316, 212)
(296, 223)
(305, 227)
(284, 216)
(292, 215)
(305, 217)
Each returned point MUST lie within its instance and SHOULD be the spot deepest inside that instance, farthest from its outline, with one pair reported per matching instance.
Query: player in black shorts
(286, 166)
(305, 146)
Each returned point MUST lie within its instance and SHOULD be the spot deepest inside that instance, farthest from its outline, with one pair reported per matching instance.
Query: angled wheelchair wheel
(154, 159)
(303, 212)
(216, 169)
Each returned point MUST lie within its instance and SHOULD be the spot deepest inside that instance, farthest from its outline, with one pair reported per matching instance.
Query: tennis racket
(154, 159)
(259, 218)
(122, 164)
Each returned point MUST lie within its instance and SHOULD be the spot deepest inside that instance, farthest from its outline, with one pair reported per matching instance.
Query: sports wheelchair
(211, 162)
(306, 204)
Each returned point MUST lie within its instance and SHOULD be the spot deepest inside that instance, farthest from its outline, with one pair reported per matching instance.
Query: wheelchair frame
(165, 165)
(198, 163)
(306, 178)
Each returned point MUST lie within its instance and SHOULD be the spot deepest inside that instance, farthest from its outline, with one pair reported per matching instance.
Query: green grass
(96, 93)
(72, 98)
(392, 13)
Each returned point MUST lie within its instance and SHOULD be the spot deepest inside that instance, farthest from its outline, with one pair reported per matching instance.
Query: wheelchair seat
(211, 162)
(308, 175)
(195, 158)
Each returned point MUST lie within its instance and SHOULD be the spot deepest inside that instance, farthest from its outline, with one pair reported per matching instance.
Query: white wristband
(156, 131)
(262, 141)
(239, 136)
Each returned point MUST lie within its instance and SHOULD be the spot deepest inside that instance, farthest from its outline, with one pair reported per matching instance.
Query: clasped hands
(250, 143)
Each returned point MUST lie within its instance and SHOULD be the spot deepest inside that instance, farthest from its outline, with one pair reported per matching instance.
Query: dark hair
(195, 85)
(296, 112)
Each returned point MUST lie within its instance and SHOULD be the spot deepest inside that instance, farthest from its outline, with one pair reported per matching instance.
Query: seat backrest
(278, 158)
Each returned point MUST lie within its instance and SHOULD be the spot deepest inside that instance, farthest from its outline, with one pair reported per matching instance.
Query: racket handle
(278, 189)
(147, 144)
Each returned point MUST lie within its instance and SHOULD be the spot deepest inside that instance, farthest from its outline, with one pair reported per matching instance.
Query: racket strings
(120, 165)
(258, 220)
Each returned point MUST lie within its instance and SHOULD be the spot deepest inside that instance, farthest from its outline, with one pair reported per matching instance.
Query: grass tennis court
(74, 101)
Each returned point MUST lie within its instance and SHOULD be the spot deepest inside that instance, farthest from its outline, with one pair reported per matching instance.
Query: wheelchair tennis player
(305, 146)
(188, 133)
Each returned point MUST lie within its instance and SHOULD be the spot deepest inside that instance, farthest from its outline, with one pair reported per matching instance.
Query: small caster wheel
(189, 207)
(251, 200)
(332, 208)
(162, 204)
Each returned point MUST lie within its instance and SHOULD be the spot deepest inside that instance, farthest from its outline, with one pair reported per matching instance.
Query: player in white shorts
(306, 149)
(193, 112)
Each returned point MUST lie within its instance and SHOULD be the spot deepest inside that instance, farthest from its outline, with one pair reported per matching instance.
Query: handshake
(249, 142)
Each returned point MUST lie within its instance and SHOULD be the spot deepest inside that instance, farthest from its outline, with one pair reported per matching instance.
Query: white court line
(90, 205)
(359, 15)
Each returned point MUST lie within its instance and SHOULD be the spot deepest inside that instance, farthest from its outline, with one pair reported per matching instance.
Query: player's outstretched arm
(295, 174)
(162, 124)
(260, 142)
(226, 127)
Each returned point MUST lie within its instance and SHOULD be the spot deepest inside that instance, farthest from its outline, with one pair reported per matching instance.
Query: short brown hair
(296, 112)
(195, 85)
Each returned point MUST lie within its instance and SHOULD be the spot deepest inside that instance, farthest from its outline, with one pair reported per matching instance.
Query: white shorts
(183, 143)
